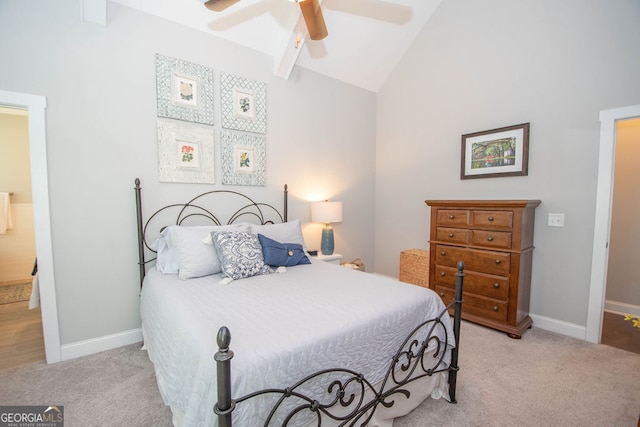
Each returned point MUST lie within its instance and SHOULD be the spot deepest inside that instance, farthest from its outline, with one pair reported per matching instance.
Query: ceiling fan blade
(313, 18)
(219, 5)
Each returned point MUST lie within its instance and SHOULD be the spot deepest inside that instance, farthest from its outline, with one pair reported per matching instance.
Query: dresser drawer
(452, 217)
(494, 239)
(453, 235)
(478, 306)
(492, 219)
(476, 283)
(490, 262)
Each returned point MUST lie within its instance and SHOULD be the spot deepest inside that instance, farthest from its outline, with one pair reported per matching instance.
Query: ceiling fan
(310, 9)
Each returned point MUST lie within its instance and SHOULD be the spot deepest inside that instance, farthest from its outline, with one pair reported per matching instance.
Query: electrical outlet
(556, 220)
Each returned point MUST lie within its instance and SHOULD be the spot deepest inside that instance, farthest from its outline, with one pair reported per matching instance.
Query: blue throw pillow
(282, 254)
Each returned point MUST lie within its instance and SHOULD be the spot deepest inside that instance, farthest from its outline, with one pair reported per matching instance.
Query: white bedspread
(283, 327)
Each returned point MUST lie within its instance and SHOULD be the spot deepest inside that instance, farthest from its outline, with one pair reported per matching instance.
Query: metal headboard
(262, 213)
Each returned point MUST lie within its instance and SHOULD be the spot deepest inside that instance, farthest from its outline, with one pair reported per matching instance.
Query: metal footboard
(350, 398)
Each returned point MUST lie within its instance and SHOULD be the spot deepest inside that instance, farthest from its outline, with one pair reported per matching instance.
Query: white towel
(5, 213)
(34, 301)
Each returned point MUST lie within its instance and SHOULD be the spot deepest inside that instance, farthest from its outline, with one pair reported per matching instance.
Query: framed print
(243, 158)
(243, 103)
(185, 153)
(189, 154)
(497, 152)
(184, 90)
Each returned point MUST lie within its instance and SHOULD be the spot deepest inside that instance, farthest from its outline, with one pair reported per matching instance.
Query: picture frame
(243, 158)
(243, 103)
(497, 152)
(185, 152)
(184, 90)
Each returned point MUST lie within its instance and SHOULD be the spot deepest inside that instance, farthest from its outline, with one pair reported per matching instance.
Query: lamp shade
(326, 212)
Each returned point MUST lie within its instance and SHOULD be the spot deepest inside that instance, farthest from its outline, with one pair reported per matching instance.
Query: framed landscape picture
(497, 152)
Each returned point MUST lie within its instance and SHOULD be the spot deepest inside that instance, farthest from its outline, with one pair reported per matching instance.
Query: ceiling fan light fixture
(219, 5)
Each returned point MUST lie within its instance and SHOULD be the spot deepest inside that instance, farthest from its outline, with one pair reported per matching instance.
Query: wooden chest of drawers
(494, 239)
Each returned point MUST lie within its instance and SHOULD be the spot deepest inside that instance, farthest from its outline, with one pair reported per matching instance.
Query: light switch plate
(556, 220)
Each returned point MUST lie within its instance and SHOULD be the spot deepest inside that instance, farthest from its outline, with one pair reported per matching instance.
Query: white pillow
(186, 252)
(167, 256)
(286, 232)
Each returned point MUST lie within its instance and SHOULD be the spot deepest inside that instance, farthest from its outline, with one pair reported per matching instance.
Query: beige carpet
(543, 379)
(15, 291)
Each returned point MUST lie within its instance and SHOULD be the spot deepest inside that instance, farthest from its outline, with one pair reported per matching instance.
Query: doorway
(622, 295)
(21, 338)
(35, 107)
(602, 228)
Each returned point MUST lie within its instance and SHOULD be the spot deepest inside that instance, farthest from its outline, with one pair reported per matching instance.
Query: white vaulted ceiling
(366, 38)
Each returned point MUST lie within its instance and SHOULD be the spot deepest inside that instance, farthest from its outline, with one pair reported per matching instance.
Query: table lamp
(326, 212)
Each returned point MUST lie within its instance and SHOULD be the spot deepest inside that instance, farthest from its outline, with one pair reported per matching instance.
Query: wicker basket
(414, 267)
(356, 264)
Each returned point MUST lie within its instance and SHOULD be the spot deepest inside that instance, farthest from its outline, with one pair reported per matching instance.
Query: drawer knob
(441, 294)
(496, 285)
(495, 308)
(490, 238)
(498, 261)
(450, 234)
(443, 253)
(452, 216)
(490, 218)
(442, 273)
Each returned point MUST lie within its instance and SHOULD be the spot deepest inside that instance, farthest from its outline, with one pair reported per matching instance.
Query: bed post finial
(225, 405)
(224, 338)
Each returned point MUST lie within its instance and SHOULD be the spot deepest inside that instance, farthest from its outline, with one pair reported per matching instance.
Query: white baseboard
(559, 326)
(621, 308)
(96, 345)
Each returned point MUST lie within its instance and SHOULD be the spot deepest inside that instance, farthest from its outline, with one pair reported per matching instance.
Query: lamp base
(326, 244)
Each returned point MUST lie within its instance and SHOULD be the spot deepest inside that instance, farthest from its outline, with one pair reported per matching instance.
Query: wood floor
(619, 333)
(21, 338)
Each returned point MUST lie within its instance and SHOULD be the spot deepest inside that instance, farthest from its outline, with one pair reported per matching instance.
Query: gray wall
(482, 65)
(623, 277)
(101, 134)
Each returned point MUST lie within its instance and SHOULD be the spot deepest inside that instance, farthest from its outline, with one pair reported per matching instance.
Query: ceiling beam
(294, 36)
(288, 56)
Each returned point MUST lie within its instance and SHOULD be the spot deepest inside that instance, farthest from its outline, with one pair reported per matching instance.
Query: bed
(314, 343)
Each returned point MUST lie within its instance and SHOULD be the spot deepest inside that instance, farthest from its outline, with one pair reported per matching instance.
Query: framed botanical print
(243, 158)
(184, 90)
(243, 103)
(185, 152)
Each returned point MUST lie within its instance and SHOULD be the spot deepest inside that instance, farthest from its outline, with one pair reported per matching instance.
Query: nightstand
(333, 258)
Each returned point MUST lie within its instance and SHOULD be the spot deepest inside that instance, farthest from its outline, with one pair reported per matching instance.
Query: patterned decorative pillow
(240, 254)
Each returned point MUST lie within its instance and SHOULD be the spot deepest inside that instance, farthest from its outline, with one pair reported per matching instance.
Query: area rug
(15, 292)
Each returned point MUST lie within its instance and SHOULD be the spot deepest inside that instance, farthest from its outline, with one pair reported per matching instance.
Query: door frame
(35, 106)
(602, 228)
